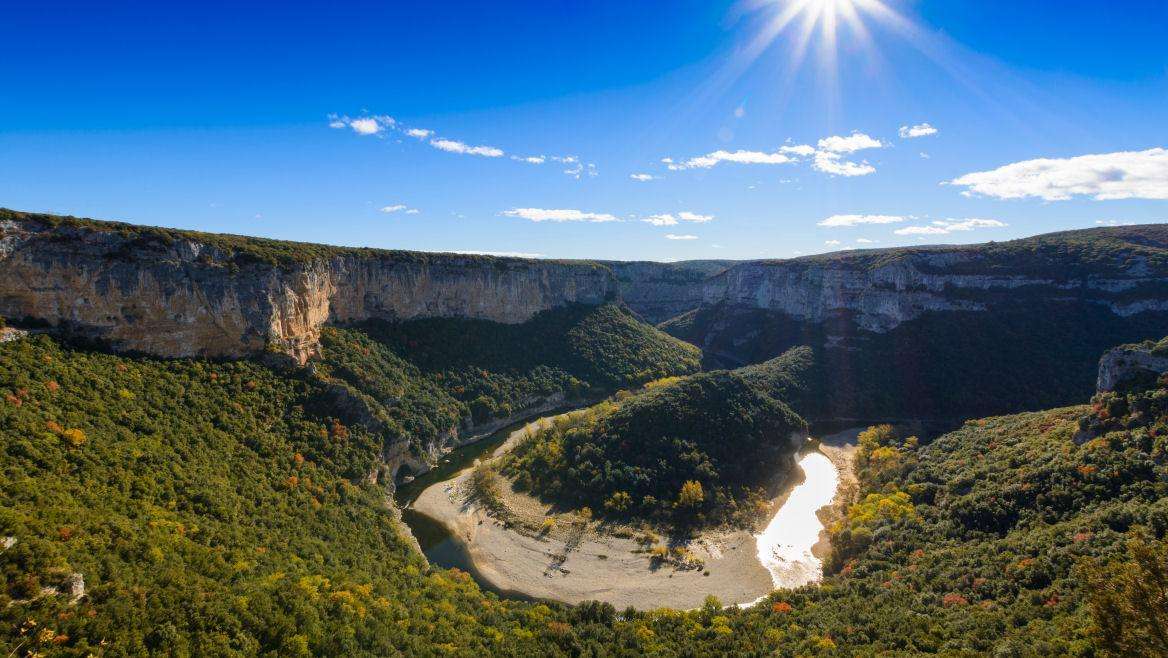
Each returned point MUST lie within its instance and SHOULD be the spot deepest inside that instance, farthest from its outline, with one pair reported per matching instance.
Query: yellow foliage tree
(75, 437)
(691, 495)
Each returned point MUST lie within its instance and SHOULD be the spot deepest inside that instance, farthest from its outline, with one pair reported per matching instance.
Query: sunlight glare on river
(784, 547)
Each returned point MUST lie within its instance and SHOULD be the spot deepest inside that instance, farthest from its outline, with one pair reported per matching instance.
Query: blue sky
(910, 122)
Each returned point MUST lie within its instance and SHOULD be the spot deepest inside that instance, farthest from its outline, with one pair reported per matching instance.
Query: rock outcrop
(659, 291)
(882, 289)
(1127, 363)
(183, 294)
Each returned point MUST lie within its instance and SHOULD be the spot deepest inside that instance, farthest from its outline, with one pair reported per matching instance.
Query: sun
(825, 17)
(802, 23)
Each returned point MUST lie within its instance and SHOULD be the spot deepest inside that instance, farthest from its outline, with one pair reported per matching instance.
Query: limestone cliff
(1123, 269)
(1127, 363)
(944, 333)
(659, 291)
(179, 294)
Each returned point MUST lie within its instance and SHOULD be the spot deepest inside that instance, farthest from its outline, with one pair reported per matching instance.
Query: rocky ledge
(184, 294)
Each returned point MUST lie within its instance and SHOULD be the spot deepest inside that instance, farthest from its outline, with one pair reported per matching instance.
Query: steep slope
(427, 385)
(659, 291)
(189, 507)
(944, 332)
(696, 450)
(181, 293)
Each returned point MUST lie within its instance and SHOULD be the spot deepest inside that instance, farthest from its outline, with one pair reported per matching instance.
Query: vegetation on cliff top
(241, 250)
(694, 450)
(1062, 255)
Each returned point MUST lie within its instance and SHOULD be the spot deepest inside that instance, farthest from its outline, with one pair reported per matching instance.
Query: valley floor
(577, 561)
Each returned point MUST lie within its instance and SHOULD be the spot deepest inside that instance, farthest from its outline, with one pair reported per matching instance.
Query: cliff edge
(178, 293)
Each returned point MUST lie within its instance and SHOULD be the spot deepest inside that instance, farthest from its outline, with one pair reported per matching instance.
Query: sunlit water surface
(784, 547)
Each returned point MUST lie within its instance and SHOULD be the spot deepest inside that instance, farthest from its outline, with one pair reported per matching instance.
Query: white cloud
(857, 220)
(865, 241)
(1103, 177)
(857, 141)
(377, 124)
(579, 169)
(671, 236)
(737, 157)
(919, 130)
(501, 254)
(831, 243)
(642, 177)
(666, 219)
(831, 163)
(455, 146)
(661, 220)
(1113, 222)
(399, 207)
(921, 230)
(947, 226)
(558, 215)
(369, 125)
(801, 150)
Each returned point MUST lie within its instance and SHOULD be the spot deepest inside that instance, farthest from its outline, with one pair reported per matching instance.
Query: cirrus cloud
(399, 207)
(671, 236)
(1103, 177)
(737, 157)
(666, 219)
(858, 220)
(558, 215)
(455, 146)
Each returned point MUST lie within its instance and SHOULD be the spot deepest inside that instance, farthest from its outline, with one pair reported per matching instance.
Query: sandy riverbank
(578, 563)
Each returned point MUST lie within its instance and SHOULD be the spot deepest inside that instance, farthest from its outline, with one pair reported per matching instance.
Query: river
(784, 546)
(741, 567)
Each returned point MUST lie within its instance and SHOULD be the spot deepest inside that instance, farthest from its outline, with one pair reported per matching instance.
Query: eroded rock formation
(181, 294)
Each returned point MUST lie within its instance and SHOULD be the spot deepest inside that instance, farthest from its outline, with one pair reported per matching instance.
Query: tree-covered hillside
(210, 509)
(1025, 355)
(194, 508)
(691, 450)
(420, 380)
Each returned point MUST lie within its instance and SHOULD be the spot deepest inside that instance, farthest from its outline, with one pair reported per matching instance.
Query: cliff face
(179, 294)
(944, 333)
(880, 292)
(1130, 362)
(659, 291)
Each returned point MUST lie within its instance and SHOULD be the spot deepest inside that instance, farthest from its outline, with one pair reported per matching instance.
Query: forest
(188, 507)
(685, 451)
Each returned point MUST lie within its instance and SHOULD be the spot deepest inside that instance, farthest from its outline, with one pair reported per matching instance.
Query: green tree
(1129, 601)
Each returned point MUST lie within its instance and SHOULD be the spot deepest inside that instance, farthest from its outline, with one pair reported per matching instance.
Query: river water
(784, 546)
